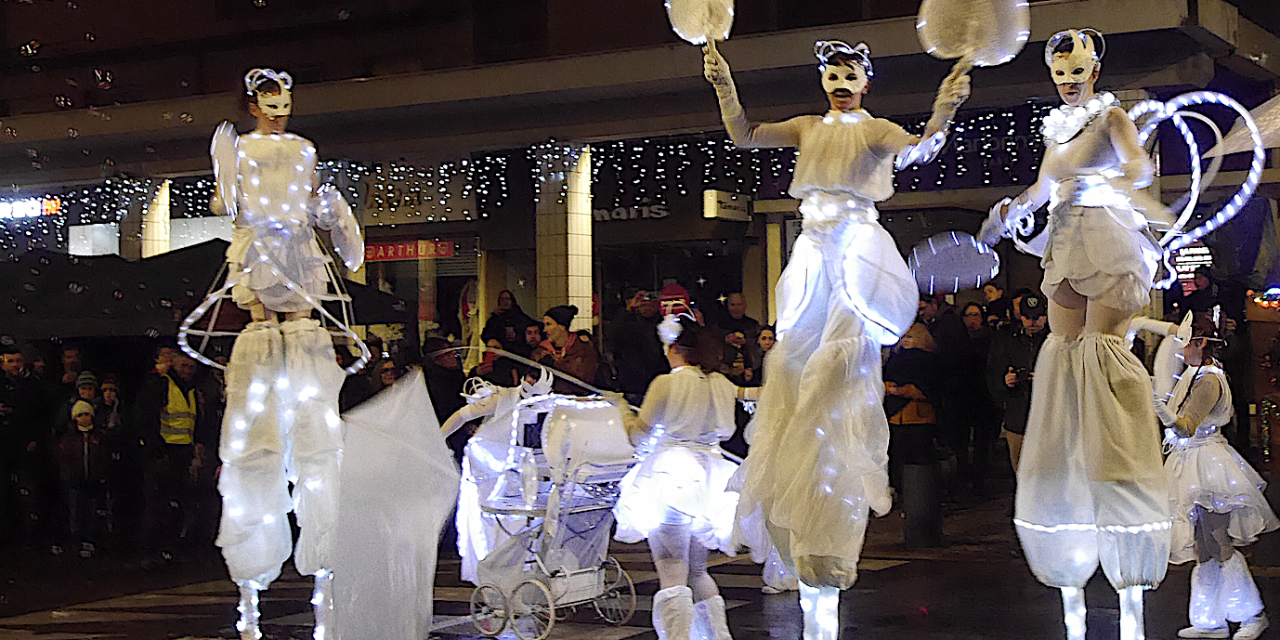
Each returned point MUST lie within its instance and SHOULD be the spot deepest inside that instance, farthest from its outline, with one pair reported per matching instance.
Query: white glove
(1143, 323)
(716, 70)
(952, 93)
(1184, 329)
(1165, 416)
(993, 228)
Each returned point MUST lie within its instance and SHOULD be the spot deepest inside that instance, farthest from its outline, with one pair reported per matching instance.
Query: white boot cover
(309, 390)
(673, 613)
(709, 621)
(254, 533)
(1205, 609)
(1132, 626)
(821, 607)
(1074, 612)
(1238, 596)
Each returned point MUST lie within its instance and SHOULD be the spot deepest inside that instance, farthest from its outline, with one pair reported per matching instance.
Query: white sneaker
(1252, 628)
(1197, 632)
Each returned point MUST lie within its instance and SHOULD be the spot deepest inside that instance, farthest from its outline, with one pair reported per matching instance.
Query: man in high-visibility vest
(170, 412)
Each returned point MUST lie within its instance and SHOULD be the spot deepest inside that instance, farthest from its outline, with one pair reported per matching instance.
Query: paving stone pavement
(977, 586)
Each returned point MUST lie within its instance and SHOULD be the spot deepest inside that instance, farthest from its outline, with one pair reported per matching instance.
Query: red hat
(675, 300)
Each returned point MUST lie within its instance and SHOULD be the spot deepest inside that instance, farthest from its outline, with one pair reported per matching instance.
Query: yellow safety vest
(178, 417)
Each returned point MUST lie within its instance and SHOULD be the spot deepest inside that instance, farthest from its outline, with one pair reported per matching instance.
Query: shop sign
(723, 205)
(651, 212)
(409, 250)
(29, 208)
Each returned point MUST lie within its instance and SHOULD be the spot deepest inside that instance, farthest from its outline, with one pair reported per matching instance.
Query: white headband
(826, 49)
(1087, 49)
(256, 77)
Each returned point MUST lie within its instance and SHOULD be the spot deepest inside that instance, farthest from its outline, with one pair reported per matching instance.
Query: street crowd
(83, 468)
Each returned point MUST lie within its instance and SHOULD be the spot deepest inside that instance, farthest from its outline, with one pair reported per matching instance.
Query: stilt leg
(322, 602)
(1073, 612)
(248, 623)
(821, 606)
(1131, 622)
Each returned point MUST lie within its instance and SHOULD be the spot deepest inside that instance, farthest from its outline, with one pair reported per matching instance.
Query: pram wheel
(489, 610)
(533, 611)
(618, 602)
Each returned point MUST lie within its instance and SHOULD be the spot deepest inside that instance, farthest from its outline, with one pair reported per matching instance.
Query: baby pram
(559, 560)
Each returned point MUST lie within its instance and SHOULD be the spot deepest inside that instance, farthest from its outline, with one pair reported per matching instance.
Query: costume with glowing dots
(1091, 484)
(1216, 497)
(677, 497)
(818, 460)
(281, 425)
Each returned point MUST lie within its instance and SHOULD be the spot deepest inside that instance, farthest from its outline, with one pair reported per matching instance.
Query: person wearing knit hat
(564, 352)
(83, 456)
(81, 408)
(87, 379)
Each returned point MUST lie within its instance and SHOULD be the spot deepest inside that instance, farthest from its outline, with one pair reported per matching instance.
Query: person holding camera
(1010, 367)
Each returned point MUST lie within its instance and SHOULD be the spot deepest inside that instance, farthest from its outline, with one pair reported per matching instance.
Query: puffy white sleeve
(653, 410)
(1206, 391)
(222, 150)
(725, 396)
(333, 214)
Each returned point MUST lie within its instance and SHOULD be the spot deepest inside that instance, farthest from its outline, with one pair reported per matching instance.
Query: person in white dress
(487, 461)
(819, 438)
(677, 497)
(1216, 496)
(281, 424)
(1091, 486)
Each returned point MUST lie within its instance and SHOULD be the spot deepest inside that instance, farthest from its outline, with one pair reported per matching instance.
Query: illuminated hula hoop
(1174, 240)
(222, 293)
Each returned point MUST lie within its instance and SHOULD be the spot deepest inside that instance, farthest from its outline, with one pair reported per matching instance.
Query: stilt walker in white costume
(1091, 486)
(819, 438)
(1217, 497)
(282, 425)
(676, 498)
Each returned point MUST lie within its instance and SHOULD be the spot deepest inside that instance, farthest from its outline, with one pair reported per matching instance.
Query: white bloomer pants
(281, 426)
(1091, 486)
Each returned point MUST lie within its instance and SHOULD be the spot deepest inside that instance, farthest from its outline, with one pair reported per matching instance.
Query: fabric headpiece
(1087, 49)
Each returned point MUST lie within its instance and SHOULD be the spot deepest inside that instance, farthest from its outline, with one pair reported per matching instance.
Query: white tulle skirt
(1206, 472)
(683, 482)
(819, 440)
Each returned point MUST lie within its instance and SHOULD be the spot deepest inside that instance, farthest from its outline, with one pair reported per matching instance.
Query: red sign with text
(410, 250)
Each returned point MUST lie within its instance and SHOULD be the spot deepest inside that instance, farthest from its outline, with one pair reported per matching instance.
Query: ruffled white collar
(1065, 122)
(850, 117)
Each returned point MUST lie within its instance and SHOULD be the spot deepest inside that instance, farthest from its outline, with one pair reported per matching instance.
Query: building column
(564, 230)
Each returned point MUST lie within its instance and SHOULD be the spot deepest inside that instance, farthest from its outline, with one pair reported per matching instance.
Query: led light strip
(1111, 528)
(1169, 110)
